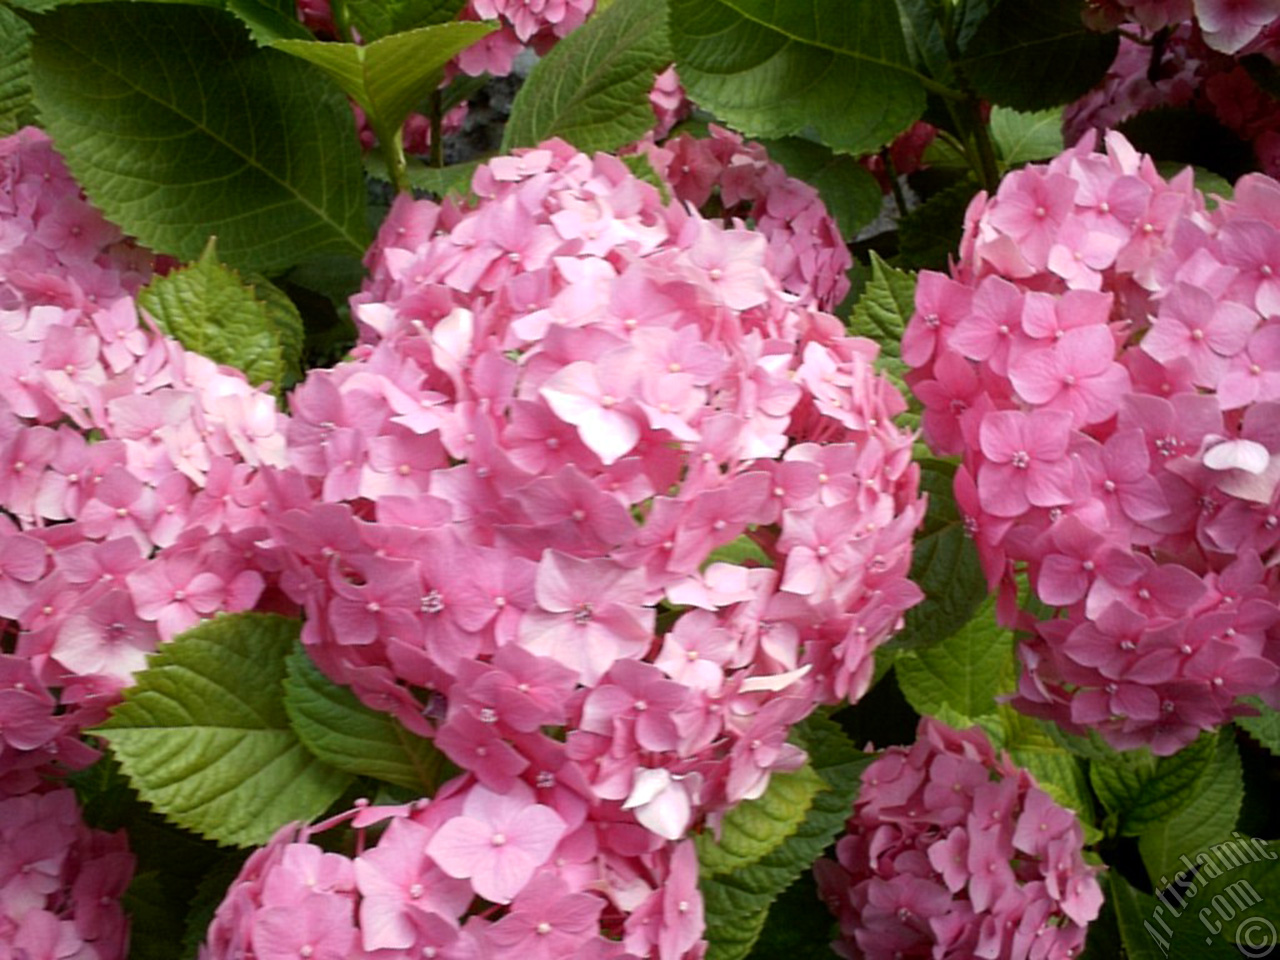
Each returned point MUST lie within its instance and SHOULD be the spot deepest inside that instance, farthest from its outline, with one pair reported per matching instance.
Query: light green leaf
(283, 316)
(850, 192)
(334, 725)
(1031, 744)
(642, 169)
(754, 827)
(1032, 56)
(944, 563)
(1026, 137)
(375, 19)
(267, 23)
(179, 128)
(836, 71)
(1265, 728)
(882, 313)
(593, 88)
(204, 738)
(209, 310)
(743, 552)
(1208, 819)
(16, 108)
(737, 903)
(963, 671)
(1139, 791)
(389, 77)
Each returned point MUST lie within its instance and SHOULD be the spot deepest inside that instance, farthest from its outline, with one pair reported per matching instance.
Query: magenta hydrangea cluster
(594, 469)
(1106, 359)
(806, 251)
(128, 469)
(60, 881)
(1197, 64)
(953, 853)
(469, 875)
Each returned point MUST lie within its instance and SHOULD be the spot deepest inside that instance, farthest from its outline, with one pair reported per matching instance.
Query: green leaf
(963, 672)
(1031, 744)
(593, 88)
(737, 903)
(882, 312)
(755, 827)
(283, 316)
(929, 235)
(267, 23)
(334, 725)
(1135, 914)
(16, 108)
(179, 128)
(836, 71)
(1139, 791)
(1026, 137)
(944, 564)
(642, 169)
(1207, 819)
(376, 19)
(209, 310)
(1265, 727)
(204, 737)
(389, 77)
(851, 193)
(1233, 903)
(1032, 56)
(155, 916)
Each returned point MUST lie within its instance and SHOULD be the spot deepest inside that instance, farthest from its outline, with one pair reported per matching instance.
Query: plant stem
(988, 169)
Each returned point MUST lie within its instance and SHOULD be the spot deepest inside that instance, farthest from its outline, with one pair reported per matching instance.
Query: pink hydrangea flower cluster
(1106, 359)
(806, 251)
(129, 469)
(953, 853)
(60, 881)
(1196, 67)
(568, 400)
(536, 24)
(470, 875)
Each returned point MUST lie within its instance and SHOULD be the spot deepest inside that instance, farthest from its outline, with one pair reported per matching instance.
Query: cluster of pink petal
(566, 399)
(129, 469)
(1195, 68)
(1228, 26)
(60, 881)
(806, 251)
(1106, 358)
(536, 24)
(469, 875)
(953, 853)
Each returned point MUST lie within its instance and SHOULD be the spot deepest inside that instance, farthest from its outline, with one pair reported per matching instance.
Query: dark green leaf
(204, 737)
(1140, 791)
(1207, 819)
(1136, 915)
(375, 19)
(1232, 911)
(179, 128)
(930, 234)
(267, 23)
(944, 564)
(835, 70)
(16, 108)
(1032, 56)
(593, 88)
(851, 193)
(344, 733)
(207, 308)
(155, 908)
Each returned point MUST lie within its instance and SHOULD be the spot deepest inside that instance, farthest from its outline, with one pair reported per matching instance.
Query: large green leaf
(204, 737)
(944, 563)
(848, 189)
(737, 902)
(1233, 904)
(179, 128)
(209, 310)
(1139, 790)
(343, 732)
(375, 19)
(837, 70)
(16, 109)
(1208, 819)
(965, 671)
(1136, 915)
(389, 77)
(1030, 56)
(593, 88)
